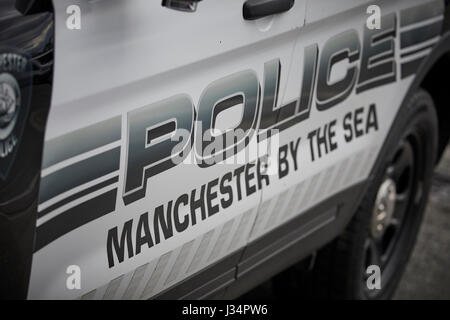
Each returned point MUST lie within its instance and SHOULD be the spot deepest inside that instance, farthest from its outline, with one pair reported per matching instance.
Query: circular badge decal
(9, 104)
(16, 82)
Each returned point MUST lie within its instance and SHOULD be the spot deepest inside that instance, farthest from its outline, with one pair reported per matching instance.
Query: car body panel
(152, 54)
(123, 70)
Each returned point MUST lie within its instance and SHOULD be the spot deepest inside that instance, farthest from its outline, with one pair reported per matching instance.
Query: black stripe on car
(418, 37)
(78, 195)
(75, 217)
(79, 173)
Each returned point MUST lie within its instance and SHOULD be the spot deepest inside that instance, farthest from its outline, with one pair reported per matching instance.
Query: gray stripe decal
(89, 296)
(156, 275)
(112, 288)
(135, 282)
(419, 35)
(404, 55)
(421, 13)
(176, 269)
(79, 173)
(81, 141)
(206, 239)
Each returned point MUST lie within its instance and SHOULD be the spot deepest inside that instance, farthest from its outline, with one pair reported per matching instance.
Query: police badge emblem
(15, 89)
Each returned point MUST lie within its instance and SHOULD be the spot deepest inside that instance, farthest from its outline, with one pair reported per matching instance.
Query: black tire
(340, 267)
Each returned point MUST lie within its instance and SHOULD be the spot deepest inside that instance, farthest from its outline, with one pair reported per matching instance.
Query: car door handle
(256, 9)
(181, 5)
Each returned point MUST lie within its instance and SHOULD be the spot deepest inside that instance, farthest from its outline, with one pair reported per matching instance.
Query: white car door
(345, 87)
(116, 206)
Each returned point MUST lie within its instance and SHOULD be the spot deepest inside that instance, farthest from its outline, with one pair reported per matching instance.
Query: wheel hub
(384, 207)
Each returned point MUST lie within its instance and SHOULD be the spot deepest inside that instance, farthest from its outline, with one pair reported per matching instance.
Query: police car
(194, 149)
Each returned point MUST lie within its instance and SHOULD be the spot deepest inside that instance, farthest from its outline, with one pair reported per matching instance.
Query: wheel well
(435, 82)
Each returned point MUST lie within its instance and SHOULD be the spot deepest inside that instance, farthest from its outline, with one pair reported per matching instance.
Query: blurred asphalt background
(427, 275)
